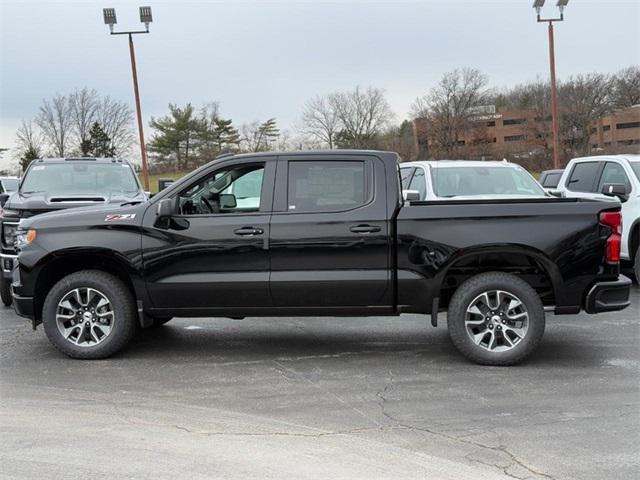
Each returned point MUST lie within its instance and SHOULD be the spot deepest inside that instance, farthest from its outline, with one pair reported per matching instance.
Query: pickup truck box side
(555, 244)
(377, 257)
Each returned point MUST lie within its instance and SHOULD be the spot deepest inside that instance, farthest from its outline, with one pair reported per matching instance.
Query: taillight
(613, 220)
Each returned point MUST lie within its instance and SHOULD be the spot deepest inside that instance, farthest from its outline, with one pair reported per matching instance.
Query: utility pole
(555, 117)
(146, 18)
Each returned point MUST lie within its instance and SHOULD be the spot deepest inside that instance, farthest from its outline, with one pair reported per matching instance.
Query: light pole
(555, 119)
(145, 17)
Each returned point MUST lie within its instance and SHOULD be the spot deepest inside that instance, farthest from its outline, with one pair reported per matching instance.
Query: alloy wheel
(85, 317)
(497, 320)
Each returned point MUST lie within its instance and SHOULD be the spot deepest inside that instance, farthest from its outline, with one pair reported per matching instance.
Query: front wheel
(5, 291)
(495, 318)
(89, 314)
(636, 266)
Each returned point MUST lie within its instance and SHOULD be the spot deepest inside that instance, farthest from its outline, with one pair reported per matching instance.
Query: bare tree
(320, 120)
(83, 106)
(56, 123)
(363, 115)
(626, 87)
(583, 99)
(259, 137)
(29, 143)
(450, 106)
(116, 119)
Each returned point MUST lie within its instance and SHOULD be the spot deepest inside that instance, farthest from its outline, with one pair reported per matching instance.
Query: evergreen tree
(98, 144)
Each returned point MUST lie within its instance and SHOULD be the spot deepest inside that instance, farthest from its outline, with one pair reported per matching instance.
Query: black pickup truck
(51, 184)
(317, 233)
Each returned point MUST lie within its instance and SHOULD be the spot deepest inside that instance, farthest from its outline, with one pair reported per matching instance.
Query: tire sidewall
(5, 291)
(121, 303)
(473, 287)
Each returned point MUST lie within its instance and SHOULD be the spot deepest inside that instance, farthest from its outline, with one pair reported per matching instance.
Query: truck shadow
(263, 342)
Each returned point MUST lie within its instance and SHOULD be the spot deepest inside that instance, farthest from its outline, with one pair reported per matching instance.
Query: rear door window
(325, 186)
(584, 176)
(551, 180)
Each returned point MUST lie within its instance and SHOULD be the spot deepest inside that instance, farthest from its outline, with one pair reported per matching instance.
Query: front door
(330, 244)
(214, 252)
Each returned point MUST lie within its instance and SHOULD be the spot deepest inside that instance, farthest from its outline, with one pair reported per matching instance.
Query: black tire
(124, 323)
(636, 266)
(473, 288)
(5, 291)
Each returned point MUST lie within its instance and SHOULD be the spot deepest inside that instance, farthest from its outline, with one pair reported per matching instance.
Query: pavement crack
(501, 449)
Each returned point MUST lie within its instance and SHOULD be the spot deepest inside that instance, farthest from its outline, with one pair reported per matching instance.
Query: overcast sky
(264, 59)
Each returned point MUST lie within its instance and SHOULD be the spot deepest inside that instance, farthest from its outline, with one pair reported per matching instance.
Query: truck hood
(88, 217)
(41, 202)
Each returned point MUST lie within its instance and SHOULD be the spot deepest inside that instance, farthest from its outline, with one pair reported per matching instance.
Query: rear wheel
(5, 291)
(495, 318)
(89, 314)
(636, 266)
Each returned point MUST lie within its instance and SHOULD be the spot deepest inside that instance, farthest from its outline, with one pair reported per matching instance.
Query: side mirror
(615, 190)
(411, 195)
(228, 201)
(3, 198)
(166, 207)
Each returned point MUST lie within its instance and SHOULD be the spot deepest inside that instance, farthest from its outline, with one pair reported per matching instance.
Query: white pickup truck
(601, 177)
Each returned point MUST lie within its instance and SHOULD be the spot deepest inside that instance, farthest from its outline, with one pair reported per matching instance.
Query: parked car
(61, 183)
(9, 184)
(549, 179)
(601, 177)
(328, 235)
(443, 179)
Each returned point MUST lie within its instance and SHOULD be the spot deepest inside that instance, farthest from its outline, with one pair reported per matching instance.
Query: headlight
(9, 234)
(5, 212)
(24, 238)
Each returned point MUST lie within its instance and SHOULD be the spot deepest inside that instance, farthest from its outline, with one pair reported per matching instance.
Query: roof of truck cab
(302, 153)
(461, 163)
(631, 157)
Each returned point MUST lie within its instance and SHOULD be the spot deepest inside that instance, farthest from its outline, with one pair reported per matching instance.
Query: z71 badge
(114, 217)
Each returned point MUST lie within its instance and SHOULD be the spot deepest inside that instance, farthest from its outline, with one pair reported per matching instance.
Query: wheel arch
(59, 264)
(528, 263)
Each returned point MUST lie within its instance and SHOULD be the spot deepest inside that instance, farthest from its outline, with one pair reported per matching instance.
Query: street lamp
(555, 120)
(110, 19)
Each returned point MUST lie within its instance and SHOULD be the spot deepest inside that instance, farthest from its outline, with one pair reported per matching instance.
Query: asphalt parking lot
(323, 398)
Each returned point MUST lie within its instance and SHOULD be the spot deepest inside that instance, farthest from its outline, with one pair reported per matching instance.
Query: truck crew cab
(317, 233)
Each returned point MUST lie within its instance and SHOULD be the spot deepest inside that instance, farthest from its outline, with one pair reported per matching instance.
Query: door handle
(248, 231)
(364, 229)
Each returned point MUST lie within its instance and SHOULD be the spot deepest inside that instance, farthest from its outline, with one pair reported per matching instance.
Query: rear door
(330, 238)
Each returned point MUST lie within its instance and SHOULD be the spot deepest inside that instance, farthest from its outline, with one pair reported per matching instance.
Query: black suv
(59, 183)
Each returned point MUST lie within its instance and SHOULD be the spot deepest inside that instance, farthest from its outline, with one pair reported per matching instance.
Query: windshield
(636, 168)
(80, 178)
(10, 184)
(468, 181)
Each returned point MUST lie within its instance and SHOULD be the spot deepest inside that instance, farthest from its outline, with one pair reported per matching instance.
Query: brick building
(622, 129)
(498, 133)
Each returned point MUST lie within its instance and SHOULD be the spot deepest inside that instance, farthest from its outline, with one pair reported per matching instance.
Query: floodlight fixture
(109, 15)
(538, 4)
(145, 16)
(561, 4)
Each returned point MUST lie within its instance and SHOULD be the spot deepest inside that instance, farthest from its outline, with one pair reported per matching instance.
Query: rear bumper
(609, 296)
